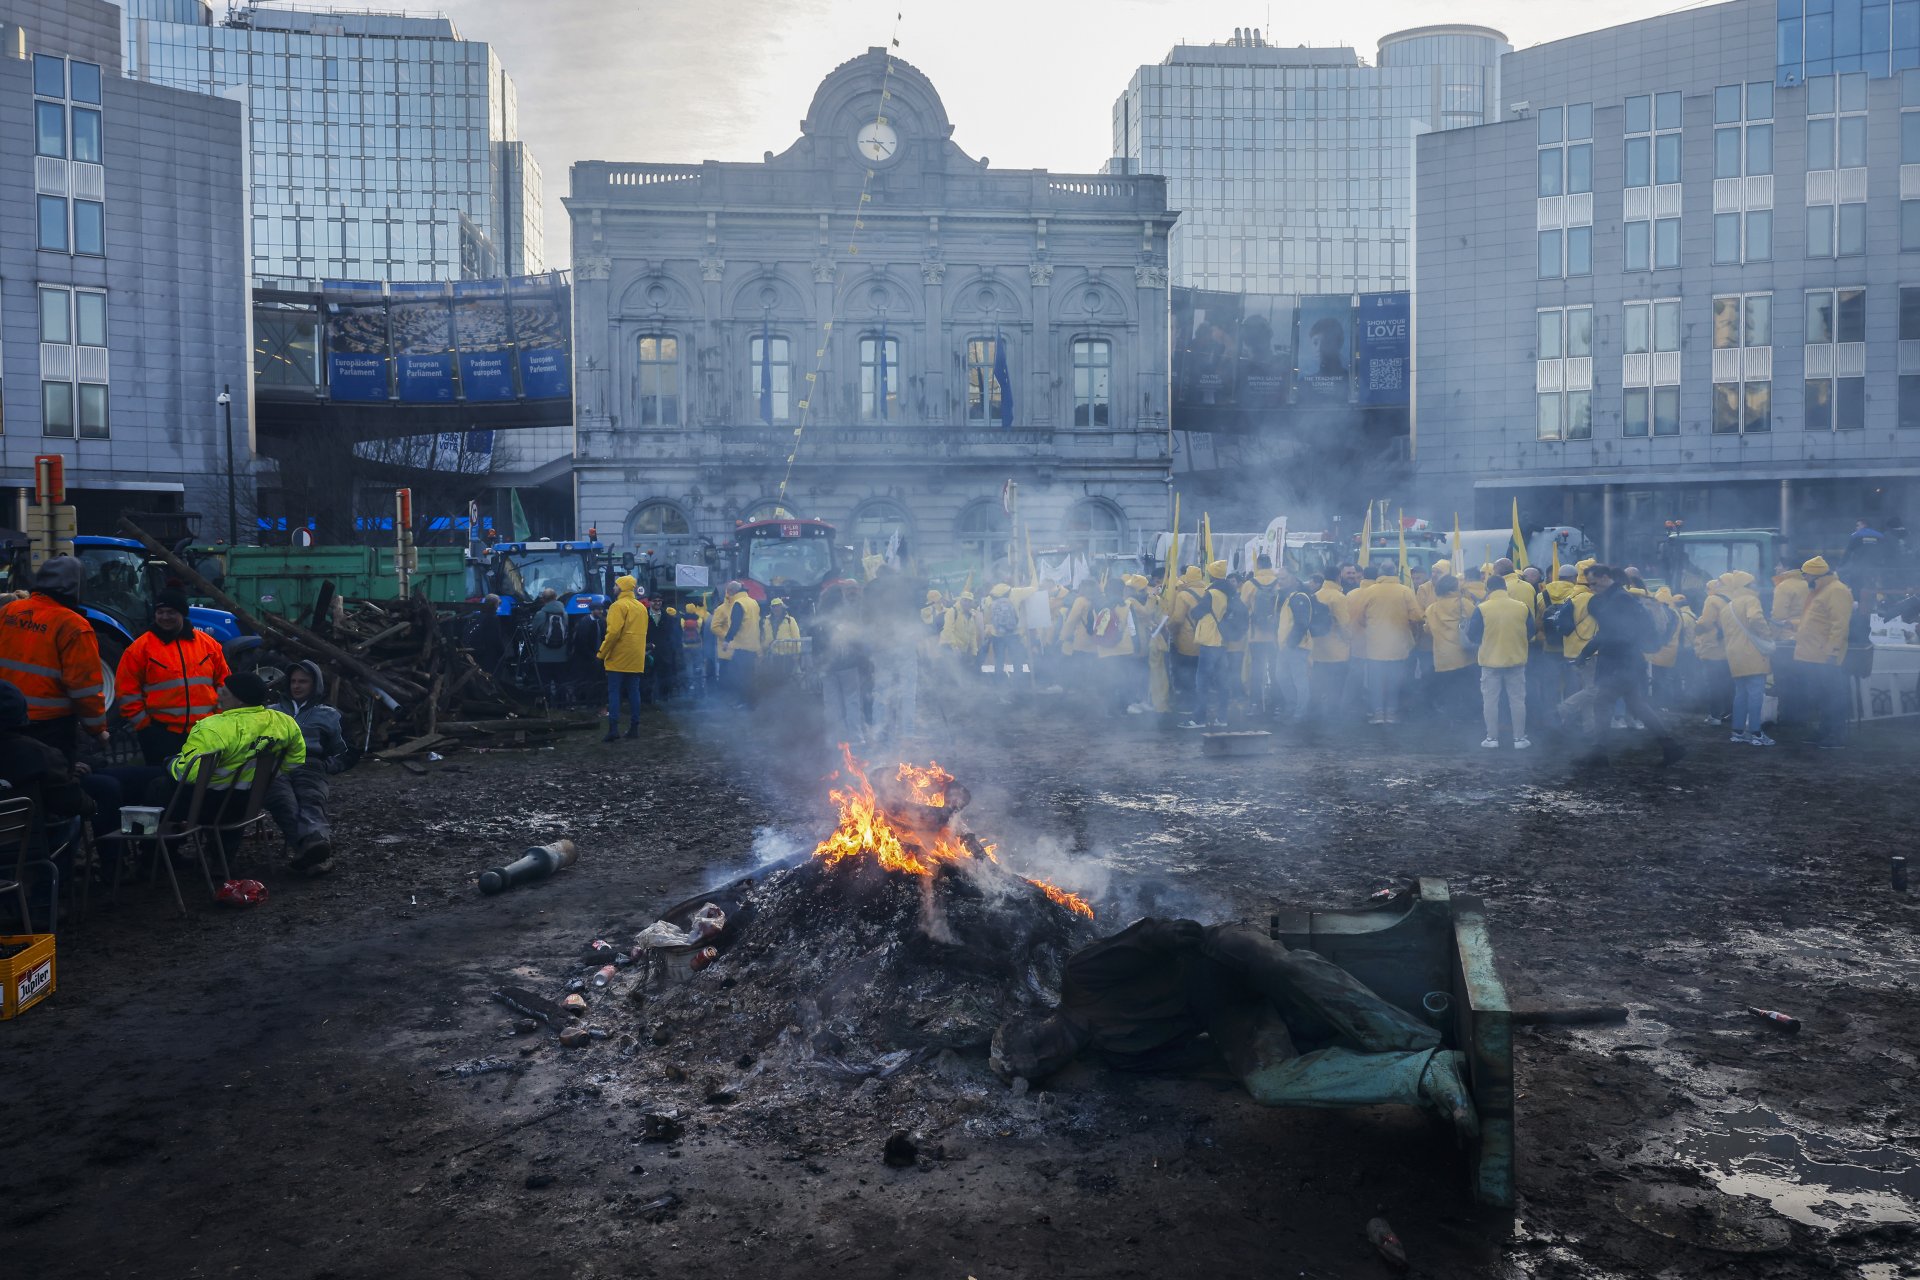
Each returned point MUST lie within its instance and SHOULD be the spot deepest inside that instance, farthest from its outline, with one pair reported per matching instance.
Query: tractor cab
(792, 559)
(576, 571)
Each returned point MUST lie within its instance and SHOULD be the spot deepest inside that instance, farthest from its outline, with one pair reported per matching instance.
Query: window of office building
(1836, 166)
(1910, 358)
(1651, 202)
(1820, 37)
(1566, 149)
(656, 390)
(1836, 359)
(1563, 373)
(1566, 252)
(73, 362)
(1743, 363)
(1650, 368)
(879, 378)
(67, 134)
(1910, 154)
(1742, 150)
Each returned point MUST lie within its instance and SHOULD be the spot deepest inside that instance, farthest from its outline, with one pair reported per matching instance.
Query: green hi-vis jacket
(233, 738)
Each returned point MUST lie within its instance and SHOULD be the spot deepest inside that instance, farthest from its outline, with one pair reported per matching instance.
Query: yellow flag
(1366, 537)
(1459, 560)
(969, 585)
(1206, 525)
(1033, 574)
(1405, 576)
(1172, 569)
(1519, 539)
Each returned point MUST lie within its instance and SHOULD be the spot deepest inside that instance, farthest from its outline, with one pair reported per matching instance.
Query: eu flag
(1003, 379)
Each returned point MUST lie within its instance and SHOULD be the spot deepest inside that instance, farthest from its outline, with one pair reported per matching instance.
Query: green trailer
(286, 581)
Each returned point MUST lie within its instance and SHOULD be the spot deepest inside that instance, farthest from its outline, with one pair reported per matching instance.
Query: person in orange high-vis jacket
(49, 652)
(169, 679)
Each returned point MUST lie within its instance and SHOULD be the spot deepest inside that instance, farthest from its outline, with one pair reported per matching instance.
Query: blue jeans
(623, 684)
(1384, 679)
(1749, 696)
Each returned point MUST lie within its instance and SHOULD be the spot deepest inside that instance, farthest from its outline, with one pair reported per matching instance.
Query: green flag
(521, 529)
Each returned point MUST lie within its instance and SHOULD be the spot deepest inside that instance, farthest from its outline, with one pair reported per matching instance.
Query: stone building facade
(910, 326)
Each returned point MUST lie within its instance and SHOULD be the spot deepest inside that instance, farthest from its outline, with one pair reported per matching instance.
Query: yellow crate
(28, 975)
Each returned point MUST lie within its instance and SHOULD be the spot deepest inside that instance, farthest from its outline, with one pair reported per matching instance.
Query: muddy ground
(281, 1090)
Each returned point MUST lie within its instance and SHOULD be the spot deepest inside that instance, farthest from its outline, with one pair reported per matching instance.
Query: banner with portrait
(1324, 350)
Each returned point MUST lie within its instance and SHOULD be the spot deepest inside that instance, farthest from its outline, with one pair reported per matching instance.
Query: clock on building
(877, 141)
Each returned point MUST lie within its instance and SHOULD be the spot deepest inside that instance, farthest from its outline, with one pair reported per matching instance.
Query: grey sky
(1029, 83)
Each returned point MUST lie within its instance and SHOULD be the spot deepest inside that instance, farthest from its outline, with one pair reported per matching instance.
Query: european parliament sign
(435, 343)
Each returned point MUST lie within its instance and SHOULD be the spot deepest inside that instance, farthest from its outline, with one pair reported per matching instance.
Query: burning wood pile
(403, 686)
(903, 934)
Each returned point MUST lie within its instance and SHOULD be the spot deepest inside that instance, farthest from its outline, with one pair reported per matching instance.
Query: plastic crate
(29, 974)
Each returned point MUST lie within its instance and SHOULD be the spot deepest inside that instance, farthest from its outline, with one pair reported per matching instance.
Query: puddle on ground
(1812, 1178)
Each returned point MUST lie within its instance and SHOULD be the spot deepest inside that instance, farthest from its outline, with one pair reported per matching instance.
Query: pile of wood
(404, 686)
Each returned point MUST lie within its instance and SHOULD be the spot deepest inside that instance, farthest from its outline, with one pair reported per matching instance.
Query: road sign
(49, 478)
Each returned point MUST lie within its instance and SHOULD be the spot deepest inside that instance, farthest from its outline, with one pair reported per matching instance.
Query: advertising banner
(422, 327)
(1325, 350)
(356, 340)
(540, 314)
(1384, 347)
(1232, 359)
(485, 339)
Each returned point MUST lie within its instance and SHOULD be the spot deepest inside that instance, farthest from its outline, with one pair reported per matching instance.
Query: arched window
(656, 385)
(655, 526)
(879, 378)
(769, 510)
(771, 379)
(1092, 382)
(986, 369)
(875, 523)
(1094, 528)
(984, 534)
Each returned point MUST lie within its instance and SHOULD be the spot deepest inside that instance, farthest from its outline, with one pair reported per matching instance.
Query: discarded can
(599, 949)
(1786, 1022)
(703, 957)
(603, 975)
(575, 1036)
(536, 863)
(1899, 874)
(1386, 1242)
(1379, 896)
(575, 1004)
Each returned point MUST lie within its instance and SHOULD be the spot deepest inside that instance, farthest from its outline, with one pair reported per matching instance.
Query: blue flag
(766, 374)
(1003, 379)
(880, 377)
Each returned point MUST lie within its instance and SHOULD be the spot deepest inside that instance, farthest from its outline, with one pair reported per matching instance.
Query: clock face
(877, 141)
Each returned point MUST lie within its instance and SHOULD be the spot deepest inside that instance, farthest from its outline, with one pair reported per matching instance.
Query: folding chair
(181, 823)
(16, 829)
(265, 763)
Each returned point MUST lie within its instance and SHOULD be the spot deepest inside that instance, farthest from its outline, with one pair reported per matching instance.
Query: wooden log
(414, 747)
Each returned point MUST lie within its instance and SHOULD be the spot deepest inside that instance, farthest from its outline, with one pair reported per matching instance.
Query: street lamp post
(225, 401)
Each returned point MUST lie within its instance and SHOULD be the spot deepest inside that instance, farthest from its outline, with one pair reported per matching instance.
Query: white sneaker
(1491, 744)
(1521, 744)
(1619, 722)
(1759, 740)
(1740, 737)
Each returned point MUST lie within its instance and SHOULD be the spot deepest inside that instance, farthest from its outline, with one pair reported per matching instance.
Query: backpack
(1560, 620)
(1266, 606)
(1004, 617)
(553, 632)
(1661, 622)
(1302, 609)
(1235, 622)
(1108, 626)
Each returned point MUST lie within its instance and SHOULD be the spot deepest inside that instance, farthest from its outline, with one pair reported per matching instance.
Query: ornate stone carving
(933, 270)
(1041, 273)
(1150, 275)
(593, 266)
(713, 269)
(823, 270)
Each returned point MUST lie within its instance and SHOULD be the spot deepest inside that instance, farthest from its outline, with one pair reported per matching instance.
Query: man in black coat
(1624, 635)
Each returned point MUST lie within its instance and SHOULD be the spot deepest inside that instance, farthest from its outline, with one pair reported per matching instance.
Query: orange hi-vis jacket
(51, 655)
(171, 683)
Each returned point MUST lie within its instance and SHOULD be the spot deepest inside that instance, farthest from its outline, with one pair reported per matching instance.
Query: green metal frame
(1430, 942)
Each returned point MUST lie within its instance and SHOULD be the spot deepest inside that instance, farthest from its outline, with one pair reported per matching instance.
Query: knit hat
(1441, 567)
(172, 598)
(59, 576)
(1217, 569)
(1192, 576)
(672, 612)
(249, 688)
(932, 596)
(1813, 568)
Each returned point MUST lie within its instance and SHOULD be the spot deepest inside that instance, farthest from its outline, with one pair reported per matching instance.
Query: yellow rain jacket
(1384, 619)
(1336, 645)
(961, 631)
(1707, 644)
(736, 626)
(782, 639)
(625, 647)
(1742, 621)
(1822, 635)
(1669, 653)
(1790, 594)
(1446, 618)
(1187, 596)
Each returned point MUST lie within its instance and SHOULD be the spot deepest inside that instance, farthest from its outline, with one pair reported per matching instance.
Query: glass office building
(1292, 168)
(383, 147)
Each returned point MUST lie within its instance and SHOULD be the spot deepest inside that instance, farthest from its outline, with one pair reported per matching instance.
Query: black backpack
(1561, 620)
(1236, 621)
(1266, 605)
(553, 632)
(1301, 608)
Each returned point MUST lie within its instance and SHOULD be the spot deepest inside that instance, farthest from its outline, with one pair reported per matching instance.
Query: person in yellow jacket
(1216, 662)
(1518, 587)
(1001, 631)
(1113, 642)
(1578, 675)
(1184, 657)
(1262, 593)
(736, 633)
(1820, 642)
(1429, 591)
(1331, 652)
(1501, 629)
(1474, 586)
(1385, 616)
(623, 655)
(1716, 685)
(234, 738)
(1446, 620)
(1790, 681)
(1747, 639)
(1665, 660)
(961, 634)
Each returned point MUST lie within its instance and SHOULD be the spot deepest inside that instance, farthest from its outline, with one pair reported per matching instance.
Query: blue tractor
(117, 588)
(578, 571)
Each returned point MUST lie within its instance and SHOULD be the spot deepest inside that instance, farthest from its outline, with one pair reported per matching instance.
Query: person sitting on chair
(242, 729)
(297, 797)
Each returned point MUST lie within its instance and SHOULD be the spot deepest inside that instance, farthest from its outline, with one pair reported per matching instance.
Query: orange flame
(866, 829)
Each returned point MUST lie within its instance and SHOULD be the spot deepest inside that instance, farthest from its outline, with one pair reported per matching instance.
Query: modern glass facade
(1293, 168)
(383, 147)
(1825, 37)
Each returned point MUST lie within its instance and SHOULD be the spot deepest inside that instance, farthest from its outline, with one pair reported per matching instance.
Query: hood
(1192, 577)
(1736, 580)
(59, 576)
(627, 585)
(1217, 569)
(312, 668)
